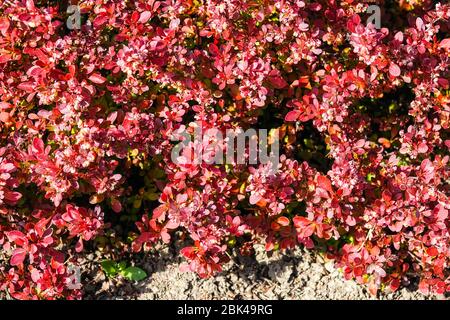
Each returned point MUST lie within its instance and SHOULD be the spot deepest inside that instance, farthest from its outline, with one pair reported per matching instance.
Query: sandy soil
(297, 275)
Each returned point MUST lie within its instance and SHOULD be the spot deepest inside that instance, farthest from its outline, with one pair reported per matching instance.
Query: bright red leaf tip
(432, 251)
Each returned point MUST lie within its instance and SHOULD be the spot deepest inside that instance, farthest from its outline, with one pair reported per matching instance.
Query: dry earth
(297, 275)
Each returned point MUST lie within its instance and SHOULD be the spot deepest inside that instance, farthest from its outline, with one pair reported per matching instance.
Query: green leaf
(134, 273)
(370, 176)
(151, 196)
(122, 266)
(109, 267)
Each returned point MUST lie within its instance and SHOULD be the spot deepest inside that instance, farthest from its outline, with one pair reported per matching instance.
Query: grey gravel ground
(298, 275)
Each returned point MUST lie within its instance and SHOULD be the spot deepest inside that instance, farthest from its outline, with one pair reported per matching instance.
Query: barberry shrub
(92, 95)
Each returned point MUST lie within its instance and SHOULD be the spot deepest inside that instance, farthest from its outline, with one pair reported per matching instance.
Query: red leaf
(135, 17)
(292, 115)
(432, 251)
(172, 225)
(100, 20)
(283, 221)
(395, 284)
(214, 50)
(97, 78)
(188, 252)
(26, 86)
(305, 228)
(4, 25)
(324, 183)
(15, 235)
(269, 246)
(278, 82)
(38, 145)
(35, 71)
(116, 205)
(18, 257)
(12, 196)
(5, 57)
(79, 245)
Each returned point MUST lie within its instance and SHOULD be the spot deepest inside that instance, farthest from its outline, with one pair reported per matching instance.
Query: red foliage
(87, 117)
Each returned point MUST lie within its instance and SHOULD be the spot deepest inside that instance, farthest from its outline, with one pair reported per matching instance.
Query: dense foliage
(88, 118)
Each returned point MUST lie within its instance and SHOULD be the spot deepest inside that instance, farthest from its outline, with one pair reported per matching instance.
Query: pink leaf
(419, 23)
(4, 117)
(278, 82)
(35, 71)
(254, 198)
(445, 44)
(14, 235)
(4, 25)
(97, 78)
(35, 275)
(26, 86)
(172, 225)
(5, 57)
(79, 245)
(159, 212)
(165, 237)
(394, 70)
(30, 5)
(399, 36)
(423, 148)
(145, 16)
(18, 257)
